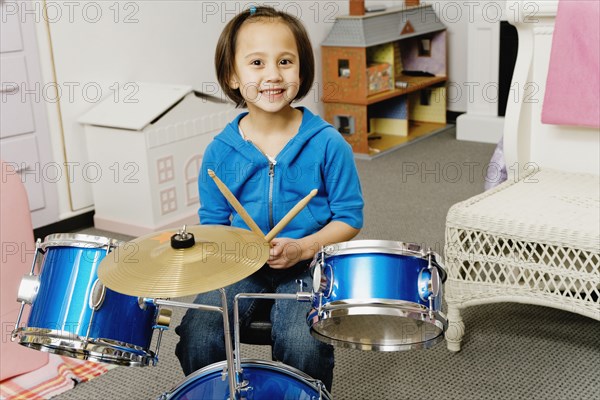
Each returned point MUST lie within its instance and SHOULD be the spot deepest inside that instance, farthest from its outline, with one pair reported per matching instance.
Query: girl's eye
(285, 62)
(256, 62)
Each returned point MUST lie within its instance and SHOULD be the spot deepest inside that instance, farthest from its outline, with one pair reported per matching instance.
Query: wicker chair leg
(456, 328)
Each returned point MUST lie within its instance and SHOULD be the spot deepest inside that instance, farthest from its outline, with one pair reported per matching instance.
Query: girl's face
(267, 65)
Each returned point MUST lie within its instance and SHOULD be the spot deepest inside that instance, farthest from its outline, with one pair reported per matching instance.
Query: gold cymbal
(152, 265)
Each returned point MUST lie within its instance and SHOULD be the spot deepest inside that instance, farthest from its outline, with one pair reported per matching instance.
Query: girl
(270, 158)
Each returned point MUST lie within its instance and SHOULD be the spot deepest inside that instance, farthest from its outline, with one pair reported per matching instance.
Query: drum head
(384, 325)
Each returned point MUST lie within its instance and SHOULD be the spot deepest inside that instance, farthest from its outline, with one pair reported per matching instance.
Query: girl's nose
(272, 74)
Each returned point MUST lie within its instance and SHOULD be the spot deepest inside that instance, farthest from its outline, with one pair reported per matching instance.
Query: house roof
(383, 27)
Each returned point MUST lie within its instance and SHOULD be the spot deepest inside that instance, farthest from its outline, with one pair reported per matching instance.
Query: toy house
(145, 155)
(386, 74)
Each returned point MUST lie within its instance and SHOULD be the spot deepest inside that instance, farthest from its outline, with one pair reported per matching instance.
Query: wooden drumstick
(236, 204)
(291, 214)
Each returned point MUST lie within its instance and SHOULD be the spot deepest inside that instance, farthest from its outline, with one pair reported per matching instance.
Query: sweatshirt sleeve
(214, 208)
(342, 183)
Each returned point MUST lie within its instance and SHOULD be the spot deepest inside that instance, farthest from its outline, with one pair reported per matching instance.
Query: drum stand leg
(234, 386)
(300, 296)
(234, 366)
(232, 375)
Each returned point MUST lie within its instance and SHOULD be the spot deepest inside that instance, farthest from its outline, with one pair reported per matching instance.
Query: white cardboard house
(145, 153)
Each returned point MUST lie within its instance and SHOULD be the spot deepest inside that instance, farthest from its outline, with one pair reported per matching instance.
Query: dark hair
(225, 52)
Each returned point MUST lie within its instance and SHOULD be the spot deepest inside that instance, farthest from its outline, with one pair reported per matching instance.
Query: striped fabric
(59, 375)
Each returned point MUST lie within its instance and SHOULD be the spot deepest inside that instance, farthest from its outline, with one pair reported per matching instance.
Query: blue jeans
(201, 332)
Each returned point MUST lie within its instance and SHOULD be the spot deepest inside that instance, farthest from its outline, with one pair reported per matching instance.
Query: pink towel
(573, 85)
(59, 375)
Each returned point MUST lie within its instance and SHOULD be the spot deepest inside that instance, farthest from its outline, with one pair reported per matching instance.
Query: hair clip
(252, 10)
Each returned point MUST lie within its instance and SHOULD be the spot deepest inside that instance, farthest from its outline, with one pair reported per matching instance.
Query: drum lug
(434, 263)
(323, 279)
(97, 295)
(26, 294)
(424, 284)
(434, 282)
(28, 289)
(322, 282)
(317, 267)
(30, 283)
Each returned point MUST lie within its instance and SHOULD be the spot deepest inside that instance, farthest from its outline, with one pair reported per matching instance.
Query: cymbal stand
(299, 296)
(232, 375)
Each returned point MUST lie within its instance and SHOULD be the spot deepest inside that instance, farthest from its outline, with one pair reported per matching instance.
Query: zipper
(271, 183)
(271, 180)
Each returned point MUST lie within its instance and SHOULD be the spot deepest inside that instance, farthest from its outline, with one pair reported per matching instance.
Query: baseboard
(67, 225)
(479, 128)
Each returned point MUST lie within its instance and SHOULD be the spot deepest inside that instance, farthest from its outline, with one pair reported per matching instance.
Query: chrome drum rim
(78, 240)
(397, 325)
(74, 346)
(377, 247)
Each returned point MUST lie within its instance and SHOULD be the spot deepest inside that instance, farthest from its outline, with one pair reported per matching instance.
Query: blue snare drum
(377, 295)
(75, 315)
(262, 380)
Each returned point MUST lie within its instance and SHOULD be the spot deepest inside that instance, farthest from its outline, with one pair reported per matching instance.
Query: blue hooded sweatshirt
(317, 157)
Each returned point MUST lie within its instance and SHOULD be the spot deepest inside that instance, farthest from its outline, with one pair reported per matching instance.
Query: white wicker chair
(534, 239)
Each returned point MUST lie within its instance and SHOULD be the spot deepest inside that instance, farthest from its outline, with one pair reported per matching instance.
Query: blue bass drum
(262, 380)
(74, 314)
(377, 295)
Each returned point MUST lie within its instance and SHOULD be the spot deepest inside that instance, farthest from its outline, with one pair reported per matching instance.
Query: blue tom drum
(74, 314)
(377, 295)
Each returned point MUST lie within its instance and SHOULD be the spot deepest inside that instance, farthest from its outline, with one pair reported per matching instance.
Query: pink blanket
(573, 85)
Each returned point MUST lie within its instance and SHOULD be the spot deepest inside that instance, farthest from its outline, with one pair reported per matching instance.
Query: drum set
(99, 299)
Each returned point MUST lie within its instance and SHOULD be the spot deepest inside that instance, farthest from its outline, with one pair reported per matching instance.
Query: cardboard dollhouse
(386, 74)
(144, 156)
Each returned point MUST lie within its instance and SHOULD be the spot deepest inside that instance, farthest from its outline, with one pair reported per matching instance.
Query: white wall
(100, 48)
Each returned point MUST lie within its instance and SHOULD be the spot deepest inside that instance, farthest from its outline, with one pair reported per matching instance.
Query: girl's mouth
(272, 92)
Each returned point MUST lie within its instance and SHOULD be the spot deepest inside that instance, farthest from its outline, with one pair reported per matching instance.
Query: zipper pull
(271, 169)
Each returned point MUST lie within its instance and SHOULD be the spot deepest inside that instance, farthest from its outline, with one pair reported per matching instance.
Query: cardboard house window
(344, 124)
(191, 179)
(168, 201)
(165, 169)
(344, 68)
(425, 47)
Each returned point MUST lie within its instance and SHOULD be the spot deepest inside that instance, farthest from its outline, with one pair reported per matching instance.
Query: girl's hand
(284, 253)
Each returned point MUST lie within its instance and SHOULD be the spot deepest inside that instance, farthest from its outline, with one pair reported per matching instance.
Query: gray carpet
(510, 351)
